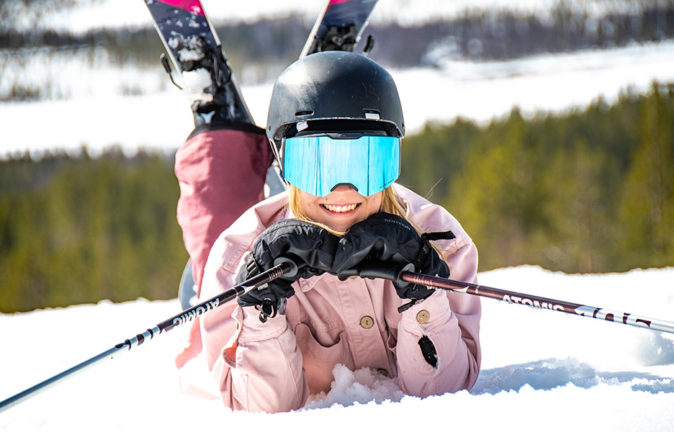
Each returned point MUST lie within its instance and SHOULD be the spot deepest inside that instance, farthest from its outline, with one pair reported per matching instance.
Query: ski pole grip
(379, 271)
(292, 267)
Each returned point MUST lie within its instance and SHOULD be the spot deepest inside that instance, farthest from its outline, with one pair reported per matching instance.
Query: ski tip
(192, 6)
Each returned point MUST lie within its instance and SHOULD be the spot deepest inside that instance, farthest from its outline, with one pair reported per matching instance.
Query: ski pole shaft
(164, 326)
(540, 302)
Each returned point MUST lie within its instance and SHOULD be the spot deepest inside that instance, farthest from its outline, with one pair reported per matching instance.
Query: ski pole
(539, 302)
(164, 326)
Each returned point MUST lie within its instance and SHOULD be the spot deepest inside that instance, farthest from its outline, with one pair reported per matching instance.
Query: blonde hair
(390, 203)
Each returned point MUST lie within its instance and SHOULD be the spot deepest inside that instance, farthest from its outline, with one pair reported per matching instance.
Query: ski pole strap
(256, 281)
(426, 246)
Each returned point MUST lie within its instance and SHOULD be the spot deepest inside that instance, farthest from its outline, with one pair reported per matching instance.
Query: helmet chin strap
(277, 154)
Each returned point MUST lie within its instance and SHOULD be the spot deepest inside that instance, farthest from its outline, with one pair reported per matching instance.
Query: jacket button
(423, 316)
(366, 322)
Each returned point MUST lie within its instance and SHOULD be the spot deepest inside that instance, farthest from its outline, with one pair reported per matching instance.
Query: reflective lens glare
(318, 164)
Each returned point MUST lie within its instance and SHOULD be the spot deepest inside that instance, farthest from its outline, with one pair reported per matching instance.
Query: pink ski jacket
(275, 366)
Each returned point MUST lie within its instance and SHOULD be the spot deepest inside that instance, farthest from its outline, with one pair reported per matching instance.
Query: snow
(554, 83)
(541, 369)
(96, 14)
(194, 83)
(104, 105)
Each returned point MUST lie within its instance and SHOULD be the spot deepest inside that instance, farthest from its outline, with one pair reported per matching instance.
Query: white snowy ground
(101, 107)
(541, 370)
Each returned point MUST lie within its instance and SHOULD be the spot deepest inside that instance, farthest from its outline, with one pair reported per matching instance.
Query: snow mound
(358, 387)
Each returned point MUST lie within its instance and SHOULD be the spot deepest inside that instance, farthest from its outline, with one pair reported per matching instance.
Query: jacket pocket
(319, 358)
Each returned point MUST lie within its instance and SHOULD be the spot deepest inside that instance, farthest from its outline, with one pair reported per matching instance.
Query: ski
(194, 48)
(195, 51)
(340, 26)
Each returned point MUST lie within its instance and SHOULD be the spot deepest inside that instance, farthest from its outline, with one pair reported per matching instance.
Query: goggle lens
(318, 164)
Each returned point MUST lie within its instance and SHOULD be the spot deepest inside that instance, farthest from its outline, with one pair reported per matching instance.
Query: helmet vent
(304, 113)
(372, 115)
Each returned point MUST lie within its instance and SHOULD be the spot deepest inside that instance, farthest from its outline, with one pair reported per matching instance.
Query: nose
(344, 187)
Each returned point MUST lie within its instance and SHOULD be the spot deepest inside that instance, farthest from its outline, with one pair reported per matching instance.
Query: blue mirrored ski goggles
(318, 164)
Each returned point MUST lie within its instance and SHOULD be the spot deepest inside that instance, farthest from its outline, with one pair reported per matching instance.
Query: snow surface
(541, 370)
(104, 105)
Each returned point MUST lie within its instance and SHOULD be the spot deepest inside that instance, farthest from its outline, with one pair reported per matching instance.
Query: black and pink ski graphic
(178, 20)
(192, 43)
(340, 27)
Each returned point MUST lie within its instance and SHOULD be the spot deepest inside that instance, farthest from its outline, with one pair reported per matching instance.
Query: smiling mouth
(340, 208)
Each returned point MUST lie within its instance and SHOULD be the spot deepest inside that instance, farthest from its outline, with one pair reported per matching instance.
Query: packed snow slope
(541, 370)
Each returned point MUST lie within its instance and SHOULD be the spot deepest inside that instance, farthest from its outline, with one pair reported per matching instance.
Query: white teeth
(340, 208)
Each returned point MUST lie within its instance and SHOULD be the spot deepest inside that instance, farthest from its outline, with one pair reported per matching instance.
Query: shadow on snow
(551, 373)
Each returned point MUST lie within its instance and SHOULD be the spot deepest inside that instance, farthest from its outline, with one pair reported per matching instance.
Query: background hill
(545, 127)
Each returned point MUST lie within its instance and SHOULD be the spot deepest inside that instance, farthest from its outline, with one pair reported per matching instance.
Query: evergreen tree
(647, 210)
(586, 191)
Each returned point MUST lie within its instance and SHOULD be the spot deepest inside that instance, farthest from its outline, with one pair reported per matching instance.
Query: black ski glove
(384, 246)
(309, 247)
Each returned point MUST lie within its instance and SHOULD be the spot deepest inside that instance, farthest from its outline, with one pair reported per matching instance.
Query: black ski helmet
(334, 91)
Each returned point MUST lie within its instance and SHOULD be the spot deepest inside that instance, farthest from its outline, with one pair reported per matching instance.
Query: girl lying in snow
(335, 124)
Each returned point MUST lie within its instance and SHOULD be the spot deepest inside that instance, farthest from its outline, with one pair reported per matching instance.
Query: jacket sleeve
(257, 366)
(221, 173)
(451, 322)
(266, 371)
